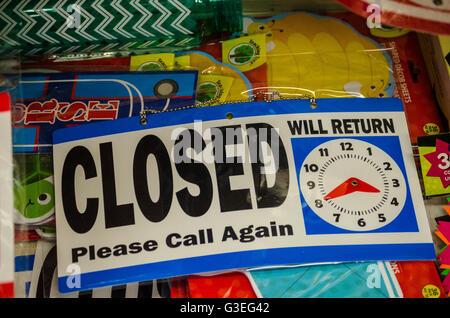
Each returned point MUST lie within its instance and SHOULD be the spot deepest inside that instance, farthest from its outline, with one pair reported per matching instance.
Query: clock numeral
(394, 202)
(311, 185)
(445, 162)
(387, 166)
(395, 183)
(381, 218)
(319, 203)
(346, 146)
(311, 168)
(361, 222)
(369, 151)
(323, 152)
(336, 216)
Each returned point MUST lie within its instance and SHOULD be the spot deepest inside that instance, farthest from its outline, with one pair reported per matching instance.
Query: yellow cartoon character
(323, 57)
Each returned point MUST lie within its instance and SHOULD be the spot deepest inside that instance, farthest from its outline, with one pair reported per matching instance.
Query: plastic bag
(36, 278)
(302, 54)
(337, 55)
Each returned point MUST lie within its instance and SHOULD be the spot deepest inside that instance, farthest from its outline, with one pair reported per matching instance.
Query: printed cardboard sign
(434, 154)
(237, 186)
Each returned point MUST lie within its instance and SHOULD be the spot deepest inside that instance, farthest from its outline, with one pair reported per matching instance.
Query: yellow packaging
(245, 53)
(214, 86)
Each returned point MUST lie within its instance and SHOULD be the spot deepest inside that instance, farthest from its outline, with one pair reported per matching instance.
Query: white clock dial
(353, 185)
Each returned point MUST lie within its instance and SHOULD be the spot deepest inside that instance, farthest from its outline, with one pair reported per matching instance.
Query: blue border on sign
(247, 259)
(338, 105)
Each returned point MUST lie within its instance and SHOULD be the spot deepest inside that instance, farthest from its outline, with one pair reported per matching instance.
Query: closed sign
(236, 186)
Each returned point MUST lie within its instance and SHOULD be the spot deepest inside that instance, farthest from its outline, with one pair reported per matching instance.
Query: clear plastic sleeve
(7, 84)
(113, 27)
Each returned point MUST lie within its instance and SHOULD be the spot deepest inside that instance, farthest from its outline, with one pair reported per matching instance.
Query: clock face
(353, 185)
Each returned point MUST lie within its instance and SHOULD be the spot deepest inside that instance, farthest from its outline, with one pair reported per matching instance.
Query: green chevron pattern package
(46, 27)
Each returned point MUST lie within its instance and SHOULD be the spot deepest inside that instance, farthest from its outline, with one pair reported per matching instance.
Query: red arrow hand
(350, 186)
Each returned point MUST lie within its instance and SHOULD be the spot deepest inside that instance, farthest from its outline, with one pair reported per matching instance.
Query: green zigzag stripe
(29, 28)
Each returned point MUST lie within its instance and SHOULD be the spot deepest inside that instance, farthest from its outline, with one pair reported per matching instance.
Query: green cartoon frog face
(34, 200)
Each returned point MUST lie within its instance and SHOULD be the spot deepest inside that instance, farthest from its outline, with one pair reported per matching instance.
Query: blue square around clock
(353, 185)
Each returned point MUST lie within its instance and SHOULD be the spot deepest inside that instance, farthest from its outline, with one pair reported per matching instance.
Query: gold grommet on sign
(144, 120)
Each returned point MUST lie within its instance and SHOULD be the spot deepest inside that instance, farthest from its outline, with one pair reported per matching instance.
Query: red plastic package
(228, 285)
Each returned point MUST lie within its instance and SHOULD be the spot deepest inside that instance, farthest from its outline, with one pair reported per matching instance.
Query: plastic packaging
(289, 55)
(299, 53)
(46, 102)
(419, 15)
(227, 285)
(273, 222)
(40, 28)
(443, 233)
(436, 50)
(35, 277)
(431, 150)
(217, 81)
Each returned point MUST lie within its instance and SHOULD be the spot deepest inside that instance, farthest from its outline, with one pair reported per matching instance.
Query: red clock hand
(350, 186)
